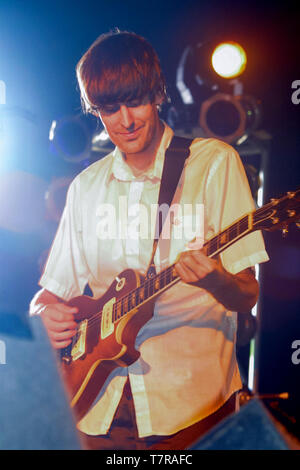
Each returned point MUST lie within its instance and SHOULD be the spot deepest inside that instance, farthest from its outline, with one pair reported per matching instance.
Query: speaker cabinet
(251, 428)
(34, 409)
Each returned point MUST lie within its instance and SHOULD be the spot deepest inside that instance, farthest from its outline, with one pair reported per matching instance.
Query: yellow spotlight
(229, 60)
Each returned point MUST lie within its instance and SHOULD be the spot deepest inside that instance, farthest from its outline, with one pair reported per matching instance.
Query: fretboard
(158, 283)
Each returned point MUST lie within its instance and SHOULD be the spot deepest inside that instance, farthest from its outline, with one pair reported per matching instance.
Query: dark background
(40, 44)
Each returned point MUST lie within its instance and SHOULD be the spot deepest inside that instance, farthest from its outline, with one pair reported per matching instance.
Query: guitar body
(104, 344)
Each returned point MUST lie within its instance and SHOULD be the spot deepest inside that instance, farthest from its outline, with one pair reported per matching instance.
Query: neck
(140, 162)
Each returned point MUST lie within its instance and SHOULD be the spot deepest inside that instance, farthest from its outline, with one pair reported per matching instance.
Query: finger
(60, 326)
(61, 344)
(54, 313)
(66, 308)
(192, 270)
(186, 274)
(197, 262)
(63, 335)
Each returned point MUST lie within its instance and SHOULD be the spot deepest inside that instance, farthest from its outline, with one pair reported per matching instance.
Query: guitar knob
(275, 220)
(291, 212)
(66, 359)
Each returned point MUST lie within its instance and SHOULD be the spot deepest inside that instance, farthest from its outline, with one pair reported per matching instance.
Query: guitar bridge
(79, 341)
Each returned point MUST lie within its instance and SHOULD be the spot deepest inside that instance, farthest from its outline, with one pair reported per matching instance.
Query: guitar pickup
(107, 324)
(79, 346)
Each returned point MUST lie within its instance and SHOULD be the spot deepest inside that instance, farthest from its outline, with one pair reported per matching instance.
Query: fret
(141, 294)
(118, 308)
(162, 282)
(168, 276)
(125, 304)
(228, 235)
(133, 299)
(223, 239)
(151, 287)
(129, 307)
(234, 232)
(211, 246)
(158, 282)
(146, 290)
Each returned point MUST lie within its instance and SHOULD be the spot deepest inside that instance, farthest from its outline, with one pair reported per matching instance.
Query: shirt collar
(121, 170)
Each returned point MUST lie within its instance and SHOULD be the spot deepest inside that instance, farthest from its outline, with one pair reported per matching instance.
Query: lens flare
(229, 60)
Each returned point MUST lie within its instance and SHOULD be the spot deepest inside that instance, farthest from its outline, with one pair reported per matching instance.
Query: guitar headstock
(278, 213)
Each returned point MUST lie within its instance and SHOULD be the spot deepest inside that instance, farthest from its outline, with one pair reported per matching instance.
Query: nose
(127, 120)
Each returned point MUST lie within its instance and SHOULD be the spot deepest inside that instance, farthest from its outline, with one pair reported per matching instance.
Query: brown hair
(118, 67)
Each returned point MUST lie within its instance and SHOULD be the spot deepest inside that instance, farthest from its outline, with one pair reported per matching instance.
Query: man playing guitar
(186, 376)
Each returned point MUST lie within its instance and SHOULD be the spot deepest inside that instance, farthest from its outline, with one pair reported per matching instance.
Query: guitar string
(209, 244)
(148, 284)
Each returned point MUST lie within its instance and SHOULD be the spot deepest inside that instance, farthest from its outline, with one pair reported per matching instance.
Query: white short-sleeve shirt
(187, 368)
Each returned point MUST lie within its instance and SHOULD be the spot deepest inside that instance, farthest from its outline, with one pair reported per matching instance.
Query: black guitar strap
(175, 157)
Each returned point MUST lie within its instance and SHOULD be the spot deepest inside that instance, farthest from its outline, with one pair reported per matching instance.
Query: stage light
(230, 118)
(71, 138)
(229, 60)
(208, 78)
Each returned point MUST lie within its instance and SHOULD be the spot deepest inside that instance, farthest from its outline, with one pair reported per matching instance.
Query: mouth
(131, 134)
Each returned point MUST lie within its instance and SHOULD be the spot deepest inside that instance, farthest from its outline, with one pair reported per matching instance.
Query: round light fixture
(229, 60)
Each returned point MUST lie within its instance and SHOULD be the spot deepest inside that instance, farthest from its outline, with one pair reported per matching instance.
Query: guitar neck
(158, 283)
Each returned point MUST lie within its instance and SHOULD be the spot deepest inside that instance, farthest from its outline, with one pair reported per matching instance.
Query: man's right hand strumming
(58, 318)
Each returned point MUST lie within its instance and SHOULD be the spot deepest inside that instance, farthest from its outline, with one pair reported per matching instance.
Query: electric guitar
(108, 326)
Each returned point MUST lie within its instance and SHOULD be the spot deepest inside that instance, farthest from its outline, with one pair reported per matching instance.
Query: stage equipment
(71, 138)
(79, 139)
(34, 410)
(213, 100)
(230, 118)
(251, 428)
(229, 60)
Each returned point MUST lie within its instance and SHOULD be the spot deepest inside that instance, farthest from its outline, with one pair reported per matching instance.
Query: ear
(159, 99)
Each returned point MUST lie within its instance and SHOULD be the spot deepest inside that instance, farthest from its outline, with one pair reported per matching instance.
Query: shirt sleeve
(228, 198)
(66, 271)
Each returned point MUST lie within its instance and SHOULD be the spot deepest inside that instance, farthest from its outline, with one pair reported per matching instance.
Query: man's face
(133, 126)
